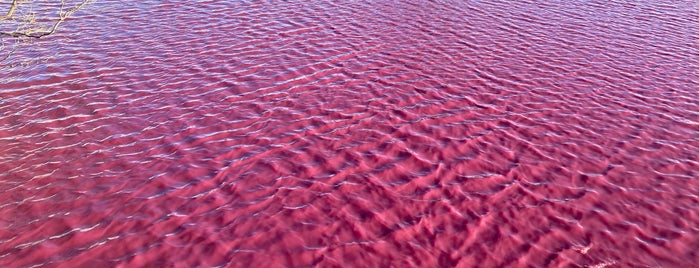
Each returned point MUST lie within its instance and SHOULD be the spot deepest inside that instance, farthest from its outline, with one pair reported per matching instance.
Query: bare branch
(62, 16)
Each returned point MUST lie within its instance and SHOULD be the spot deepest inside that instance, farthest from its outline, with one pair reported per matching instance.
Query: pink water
(350, 133)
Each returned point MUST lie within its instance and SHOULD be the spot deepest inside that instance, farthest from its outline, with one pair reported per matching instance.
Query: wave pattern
(385, 133)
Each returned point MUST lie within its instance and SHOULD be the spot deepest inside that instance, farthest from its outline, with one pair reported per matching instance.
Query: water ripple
(452, 133)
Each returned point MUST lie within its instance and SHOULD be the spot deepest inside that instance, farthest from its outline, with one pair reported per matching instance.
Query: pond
(353, 133)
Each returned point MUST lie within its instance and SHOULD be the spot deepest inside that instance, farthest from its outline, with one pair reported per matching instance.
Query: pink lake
(354, 134)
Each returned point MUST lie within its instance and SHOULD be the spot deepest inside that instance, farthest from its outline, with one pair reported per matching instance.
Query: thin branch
(8, 53)
(13, 7)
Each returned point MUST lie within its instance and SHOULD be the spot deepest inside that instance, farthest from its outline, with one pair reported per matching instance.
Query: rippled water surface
(350, 133)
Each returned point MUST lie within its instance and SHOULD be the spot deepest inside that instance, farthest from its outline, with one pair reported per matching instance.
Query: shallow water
(347, 133)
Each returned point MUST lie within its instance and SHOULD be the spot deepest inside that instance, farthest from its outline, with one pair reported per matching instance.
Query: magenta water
(351, 133)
